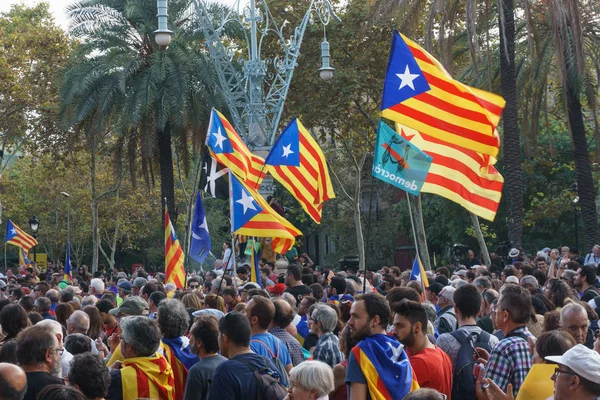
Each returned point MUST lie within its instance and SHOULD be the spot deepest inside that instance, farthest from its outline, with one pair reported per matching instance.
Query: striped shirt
(291, 343)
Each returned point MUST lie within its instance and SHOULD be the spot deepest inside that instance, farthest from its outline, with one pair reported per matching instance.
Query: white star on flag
(13, 231)
(220, 137)
(418, 277)
(247, 201)
(287, 150)
(407, 79)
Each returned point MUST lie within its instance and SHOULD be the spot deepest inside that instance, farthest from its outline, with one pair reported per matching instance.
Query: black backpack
(268, 383)
(463, 380)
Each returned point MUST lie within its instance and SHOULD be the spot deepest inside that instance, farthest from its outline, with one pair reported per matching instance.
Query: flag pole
(412, 223)
(5, 267)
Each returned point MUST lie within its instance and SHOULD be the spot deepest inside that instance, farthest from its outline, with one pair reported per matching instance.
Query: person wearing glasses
(38, 353)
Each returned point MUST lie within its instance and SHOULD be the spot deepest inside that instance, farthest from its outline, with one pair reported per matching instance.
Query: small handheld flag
(68, 274)
(23, 260)
(174, 270)
(418, 274)
(254, 268)
(398, 162)
(251, 215)
(420, 93)
(200, 244)
(17, 237)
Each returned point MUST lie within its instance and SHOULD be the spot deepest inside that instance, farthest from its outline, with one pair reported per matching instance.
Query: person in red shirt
(431, 365)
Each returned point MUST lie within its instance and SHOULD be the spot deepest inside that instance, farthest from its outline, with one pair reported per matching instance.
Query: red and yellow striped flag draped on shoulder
(147, 377)
(463, 176)
(179, 372)
(420, 93)
(174, 270)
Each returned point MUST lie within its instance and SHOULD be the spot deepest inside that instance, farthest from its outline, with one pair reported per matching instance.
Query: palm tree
(151, 100)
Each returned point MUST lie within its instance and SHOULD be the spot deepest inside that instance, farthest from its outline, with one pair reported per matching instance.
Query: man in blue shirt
(260, 312)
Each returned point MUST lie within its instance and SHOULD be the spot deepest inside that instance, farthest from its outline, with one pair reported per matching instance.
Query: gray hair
(170, 287)
(52, 294)
(482, 282)
(458, 283)
(288, 297)
(53, 326)
(216, 283)
(98, 285)
(141, 333)
(530, 281)
(173, 319)
(571, 308)
(43, 303)
(311, 375)
(80, 321)
(326, 316)
(430, 311)
(90, 300)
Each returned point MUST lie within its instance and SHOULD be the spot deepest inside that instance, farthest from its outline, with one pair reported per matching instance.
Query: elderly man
(143, 373)
(43, 305)
(38, 353)
(173, 321)
(446, 318)
(594, 256)
(96, 287)
(574, 320)
(79, 322)
(324, 321)
(577, 375)
(284, 315)
(65, 357)
(133, 306)
(13, 382)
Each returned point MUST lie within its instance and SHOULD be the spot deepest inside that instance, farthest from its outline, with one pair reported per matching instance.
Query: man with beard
(38, 353)
(378, 363)
(432, 366)
(584, 281)
(204, 342)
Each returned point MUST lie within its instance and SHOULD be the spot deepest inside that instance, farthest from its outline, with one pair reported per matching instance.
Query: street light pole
(67, 195)
(34, 225)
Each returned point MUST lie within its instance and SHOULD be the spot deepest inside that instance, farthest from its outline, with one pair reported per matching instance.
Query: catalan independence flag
(251, 215)
(174, 269)
(178, 355)
(386, 367)
(418, 274)
(23, 260)
(17, 237)
(298, 163)
(420, 93)
(226, 146)
(463, 176)
(254, 268)
(147, 378)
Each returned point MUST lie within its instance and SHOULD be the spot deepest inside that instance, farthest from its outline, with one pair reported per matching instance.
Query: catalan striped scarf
(147, 377)
(385, 365)
(178, 355)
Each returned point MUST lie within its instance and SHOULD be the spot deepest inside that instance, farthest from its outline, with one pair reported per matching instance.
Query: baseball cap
(250, 285)
(124, 285)
(277, 289)
(139, 282)
(209, 311)
(435, 287)
(585, 362)
(133, 305)
(461, 272)
(512, 279)
(447, 292)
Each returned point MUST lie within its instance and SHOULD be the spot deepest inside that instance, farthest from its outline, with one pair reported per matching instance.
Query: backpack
(268, 383)
(279, 367)
(463, 380)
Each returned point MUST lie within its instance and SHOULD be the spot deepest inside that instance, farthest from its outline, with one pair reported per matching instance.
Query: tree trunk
(95, 228)
(167, 186)
(360, 239)
(583, 167)
(421, 237)
(510, 123)
(480, 240)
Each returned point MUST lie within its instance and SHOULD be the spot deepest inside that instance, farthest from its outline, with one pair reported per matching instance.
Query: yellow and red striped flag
(251, 215)
(174, 269)
(226, 146)
(463, 176)
(298, 163)
(419, 93)
(17, 236)
(147, 378)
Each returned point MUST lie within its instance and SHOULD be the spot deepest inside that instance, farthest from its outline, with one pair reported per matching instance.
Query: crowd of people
(526, 328)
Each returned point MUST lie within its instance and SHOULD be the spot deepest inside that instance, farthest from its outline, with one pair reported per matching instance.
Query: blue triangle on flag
(245, 207)
(286, 150)
(217, 137)
(404, 78)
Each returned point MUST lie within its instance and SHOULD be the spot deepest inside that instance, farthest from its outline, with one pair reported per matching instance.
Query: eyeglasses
(558, 371)
(194, 286)
(59, 351)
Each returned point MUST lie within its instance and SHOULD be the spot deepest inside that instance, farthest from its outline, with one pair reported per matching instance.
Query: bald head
(284, 313)
(78, 322)
(13, 382)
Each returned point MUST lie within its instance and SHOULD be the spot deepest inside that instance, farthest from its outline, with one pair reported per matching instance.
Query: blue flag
(398, 162)
(200, 245)
(286, 150)
(67, 270)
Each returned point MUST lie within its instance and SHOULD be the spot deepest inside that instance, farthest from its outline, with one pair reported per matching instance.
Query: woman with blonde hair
(214, 301)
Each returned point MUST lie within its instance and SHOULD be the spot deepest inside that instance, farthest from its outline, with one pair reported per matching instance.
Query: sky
(57, 7)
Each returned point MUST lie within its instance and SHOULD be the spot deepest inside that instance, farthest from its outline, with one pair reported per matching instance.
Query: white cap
(448, 292)
(512, 279)
(582, 361)
(475, 266)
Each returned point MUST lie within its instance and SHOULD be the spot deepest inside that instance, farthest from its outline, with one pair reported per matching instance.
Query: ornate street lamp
(34, 225)
(162, 35)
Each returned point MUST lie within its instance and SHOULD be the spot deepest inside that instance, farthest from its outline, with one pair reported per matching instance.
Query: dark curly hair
(558, 291)
(60, 392)
(173, 319)
(89, 372)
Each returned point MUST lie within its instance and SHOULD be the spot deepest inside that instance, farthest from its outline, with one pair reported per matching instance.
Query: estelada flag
(251, 215)
(174, 269)
(418, 92)
(17, 236)
(226, 146)
(418, 274)
(298, 163)
(463, 176)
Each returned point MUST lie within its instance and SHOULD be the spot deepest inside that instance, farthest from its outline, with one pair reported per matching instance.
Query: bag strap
(266, 347)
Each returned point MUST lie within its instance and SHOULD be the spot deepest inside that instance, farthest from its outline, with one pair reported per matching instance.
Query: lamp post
(34, 225)
(575, 200)
(256, 95)
(67, 195)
